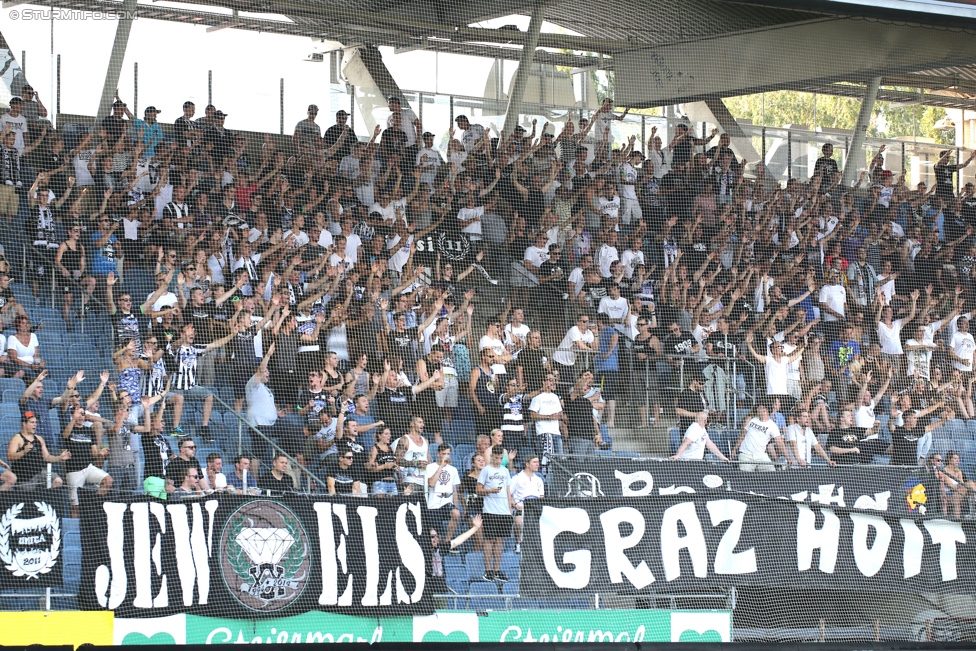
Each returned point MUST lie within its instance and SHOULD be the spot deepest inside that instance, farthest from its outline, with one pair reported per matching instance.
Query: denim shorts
(385, 488)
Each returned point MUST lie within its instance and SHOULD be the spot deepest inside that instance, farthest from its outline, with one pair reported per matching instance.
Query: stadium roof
(602, 31)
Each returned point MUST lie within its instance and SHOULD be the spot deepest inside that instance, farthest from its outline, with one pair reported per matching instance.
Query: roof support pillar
(855, 153)
(525, 67)
(114, 69)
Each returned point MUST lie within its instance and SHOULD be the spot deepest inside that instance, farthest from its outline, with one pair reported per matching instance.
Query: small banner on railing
(703, 541)
(31, 540)
(895, 490)
(255, 557)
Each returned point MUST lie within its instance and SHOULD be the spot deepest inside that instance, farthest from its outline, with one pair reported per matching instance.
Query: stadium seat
(628, 454)
(12, 384)
(484, 588)
(461, 452)
(9, 425)
(510, 588)
(12, 395)
(674, 436)
(475, 562)
(8, 409)
(971, 426)
(510, 564)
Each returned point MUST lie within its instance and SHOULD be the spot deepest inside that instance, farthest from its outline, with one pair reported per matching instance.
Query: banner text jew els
(255, 557)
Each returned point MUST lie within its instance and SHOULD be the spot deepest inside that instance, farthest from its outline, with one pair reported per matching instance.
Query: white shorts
(755, 462)
(448, 396)
(630, 210)
(88, 475)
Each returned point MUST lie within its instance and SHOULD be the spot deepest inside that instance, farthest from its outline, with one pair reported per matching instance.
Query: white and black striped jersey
(153, 381)
(182, 365)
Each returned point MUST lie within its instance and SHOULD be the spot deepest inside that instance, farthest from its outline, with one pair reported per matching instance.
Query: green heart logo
(140, 639)
(453, 636)
(695, 636)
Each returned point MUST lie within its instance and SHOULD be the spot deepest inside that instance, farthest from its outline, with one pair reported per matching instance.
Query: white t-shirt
(220, 481)
(24, 353)
(626, 172)
(609, 207)
(546, 404)
(963, 345)
(442, 492)
(890, 338)
(566, 353)
(473, 229)
(630, 260)
(353, 244)
(920, 359)
(521, 331)
(758, 436)
(523, 486)
(804, 438)
(166, 300)
(834, 296)
(491, 477)
(615, 309)
(864, 416)
(777, 375)
(18, 126)
(536, 256)
(698, 435)
(472, 136)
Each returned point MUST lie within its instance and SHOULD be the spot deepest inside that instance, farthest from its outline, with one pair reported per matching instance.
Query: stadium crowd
(352, 294)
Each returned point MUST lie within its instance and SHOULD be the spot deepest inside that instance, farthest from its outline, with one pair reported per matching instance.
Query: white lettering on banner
(693, 541)
(552, 522)
(826, 495)
(870, 559)
(111, 583)
(411, 554)
(629, 479)
(727, 560)
(193, 547)
(946, 534)
(192, 551)
(146, 553)
(329, 553)
(808, 538)
(617, 562)
(371, 548)
(877, 503)
(912, 551)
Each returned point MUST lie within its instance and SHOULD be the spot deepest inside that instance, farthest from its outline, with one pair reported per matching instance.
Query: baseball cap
(152, 109)
(220, 114)
(427, 134)
(313, 107)
(27, 415)
(341, 113)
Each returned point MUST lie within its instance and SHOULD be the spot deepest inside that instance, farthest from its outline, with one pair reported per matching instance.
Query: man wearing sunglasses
(176, 469)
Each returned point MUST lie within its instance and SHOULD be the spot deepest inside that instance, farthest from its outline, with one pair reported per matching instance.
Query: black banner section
(879, 488)
(255, 557)
(701, 541)
(31, 540)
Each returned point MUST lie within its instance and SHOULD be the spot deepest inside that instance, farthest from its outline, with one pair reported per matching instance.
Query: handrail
(274, 446)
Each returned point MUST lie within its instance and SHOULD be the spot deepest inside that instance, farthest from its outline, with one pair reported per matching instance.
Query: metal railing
(313, 479)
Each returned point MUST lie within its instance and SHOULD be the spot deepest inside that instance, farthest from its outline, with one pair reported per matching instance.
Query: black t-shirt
(847, 438)
(202, 317)
(692, 401)
(268, 482)
(905, 444)
(359, 453)
(394, 409)
(344, 479)
(321, 401)
(472, 501)
(579, 411)
(80, 446)
(533, 370)
(6, 297)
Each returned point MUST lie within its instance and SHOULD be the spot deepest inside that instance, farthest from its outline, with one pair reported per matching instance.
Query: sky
(173, 61)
